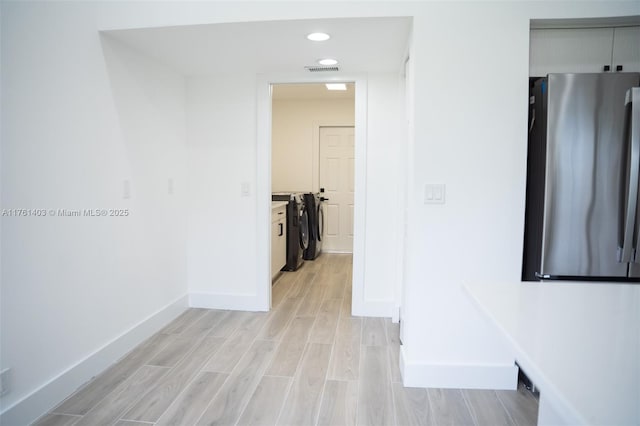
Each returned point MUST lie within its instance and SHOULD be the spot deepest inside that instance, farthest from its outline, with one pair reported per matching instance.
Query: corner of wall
(47, 396)
(236, 302)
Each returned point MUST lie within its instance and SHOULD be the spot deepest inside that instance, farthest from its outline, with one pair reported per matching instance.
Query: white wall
(466, 138)
(70, 287)
(222, 223)
(294, 160)
(80, 117)
(386, 142)
(221, 113)
(471, 67)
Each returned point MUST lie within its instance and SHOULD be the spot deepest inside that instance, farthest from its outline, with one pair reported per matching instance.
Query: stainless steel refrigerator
(583, 169)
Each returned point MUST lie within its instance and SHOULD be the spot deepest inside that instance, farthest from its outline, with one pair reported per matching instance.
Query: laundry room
(312, 164)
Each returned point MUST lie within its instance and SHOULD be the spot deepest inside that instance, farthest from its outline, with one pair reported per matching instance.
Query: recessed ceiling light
(336, 86)
(318, 36)
(327, 61)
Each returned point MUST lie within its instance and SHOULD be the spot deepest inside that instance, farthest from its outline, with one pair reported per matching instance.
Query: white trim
(548, 415)
(263, 192)
(40, 401)
(395, 314)
(336, 251)
(457, 376)
(371, 308)
(263, 178)
(233, 302)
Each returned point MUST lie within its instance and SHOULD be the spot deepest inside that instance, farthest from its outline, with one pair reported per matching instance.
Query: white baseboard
(235, 302)
(457, 376)
(395, 314)
(40, 401)
(373, 308)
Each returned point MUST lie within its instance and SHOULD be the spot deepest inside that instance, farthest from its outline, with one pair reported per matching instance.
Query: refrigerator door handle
(632, 134)
(633, 96)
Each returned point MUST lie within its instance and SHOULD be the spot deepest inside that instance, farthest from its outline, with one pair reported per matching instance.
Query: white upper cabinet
(569, 50)
(626, 49)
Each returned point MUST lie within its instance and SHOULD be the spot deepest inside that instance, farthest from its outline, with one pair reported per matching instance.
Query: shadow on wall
(150, 103)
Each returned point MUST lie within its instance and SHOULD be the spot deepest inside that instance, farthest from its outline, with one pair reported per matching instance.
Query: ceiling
(359, 44)
(310, 91)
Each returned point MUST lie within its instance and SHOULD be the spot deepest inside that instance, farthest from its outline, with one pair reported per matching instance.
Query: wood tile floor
(307, 362)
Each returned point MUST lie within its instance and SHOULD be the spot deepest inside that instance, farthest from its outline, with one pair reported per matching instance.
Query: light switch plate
(245, 189)
(434, 193)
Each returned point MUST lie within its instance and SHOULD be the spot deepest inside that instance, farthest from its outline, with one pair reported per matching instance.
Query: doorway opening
(278, 164)
(312, 174)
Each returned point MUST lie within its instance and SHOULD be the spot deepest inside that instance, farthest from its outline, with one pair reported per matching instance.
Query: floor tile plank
(393, 332)
(183, 321)
(339, 403)
(335, 285)
(449, 407)
(234, 395)
(57, 420)
(224, 360)
(375, 402)
(324, 329)
(394, 363)
(311, 303)
(231, 322)
(345, 360)
(159, 397)
(373, 332)
(345, 308)
(411, 406)
(173, 352)
(286, 360)
(282, 287)
(266, 402)
(87, 397)
(131, 423)
(303, 401)
(521, 405)
(203, 325)
(486, 408)
(302, 285)
(113, 405)
(278, 320)
(187, 408)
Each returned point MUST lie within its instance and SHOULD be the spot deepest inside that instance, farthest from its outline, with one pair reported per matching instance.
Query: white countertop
(579, 343)
(278, 204)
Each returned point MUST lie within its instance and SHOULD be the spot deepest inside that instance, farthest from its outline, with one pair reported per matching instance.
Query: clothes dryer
(315, 211)
(297, 228)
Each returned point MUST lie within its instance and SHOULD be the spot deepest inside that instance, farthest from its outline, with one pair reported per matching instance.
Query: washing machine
(297, 228)
(315, 211)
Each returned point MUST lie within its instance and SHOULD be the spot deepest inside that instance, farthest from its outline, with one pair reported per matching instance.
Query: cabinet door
(281, 249)
(626, 49)
(569, 50)
(275, 245)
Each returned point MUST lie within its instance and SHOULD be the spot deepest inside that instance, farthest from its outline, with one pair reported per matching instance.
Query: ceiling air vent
(316, 68)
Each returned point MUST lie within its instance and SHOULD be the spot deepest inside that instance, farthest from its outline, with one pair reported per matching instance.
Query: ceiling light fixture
(327, 61)
(336, 86)
(318, 36)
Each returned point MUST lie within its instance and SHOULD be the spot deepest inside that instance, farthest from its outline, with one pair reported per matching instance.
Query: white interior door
(337, 179)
